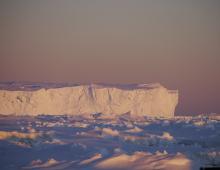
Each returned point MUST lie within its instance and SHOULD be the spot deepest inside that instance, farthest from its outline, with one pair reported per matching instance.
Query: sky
(173, 42)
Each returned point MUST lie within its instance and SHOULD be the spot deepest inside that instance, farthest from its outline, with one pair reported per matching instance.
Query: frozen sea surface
(74, 142)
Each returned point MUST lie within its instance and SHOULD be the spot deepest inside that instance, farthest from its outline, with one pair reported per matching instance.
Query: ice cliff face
(138, 100)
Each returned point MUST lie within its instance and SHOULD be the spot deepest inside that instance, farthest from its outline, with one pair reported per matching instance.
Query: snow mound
(135, 130)
(39, 164)
(15, 134)
(167, 136)
(144, 160)
(108, 132)
(90, 160)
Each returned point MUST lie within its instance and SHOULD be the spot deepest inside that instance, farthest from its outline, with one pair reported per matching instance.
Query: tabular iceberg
(138, 100)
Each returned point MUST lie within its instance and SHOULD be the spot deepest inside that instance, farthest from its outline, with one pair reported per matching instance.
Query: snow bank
(134, 130)
(93, 158)
(108, 132)
(15, 134)
(144, 160)
(138, 100)
(167, 136)
(39, 164)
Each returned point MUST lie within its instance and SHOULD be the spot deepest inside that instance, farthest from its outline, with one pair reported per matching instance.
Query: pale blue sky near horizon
(173, 42)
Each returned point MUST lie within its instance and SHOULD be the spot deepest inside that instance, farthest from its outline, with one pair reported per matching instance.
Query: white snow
(93, 158)
(148, 161)
(70, 142)
(108, 132)
(135, 130)
(15, 134)
(167, 136)
(39, 164)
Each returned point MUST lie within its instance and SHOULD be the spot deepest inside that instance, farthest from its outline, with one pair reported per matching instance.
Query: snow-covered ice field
(74, 142)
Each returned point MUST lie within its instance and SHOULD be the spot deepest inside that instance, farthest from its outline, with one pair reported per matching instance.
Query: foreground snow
(74, 142)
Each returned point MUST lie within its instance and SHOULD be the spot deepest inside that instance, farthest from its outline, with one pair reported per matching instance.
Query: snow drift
(138, 100)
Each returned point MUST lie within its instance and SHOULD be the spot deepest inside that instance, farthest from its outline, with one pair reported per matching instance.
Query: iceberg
(137, 100)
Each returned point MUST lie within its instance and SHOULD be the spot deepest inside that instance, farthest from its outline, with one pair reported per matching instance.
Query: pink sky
(172, 42)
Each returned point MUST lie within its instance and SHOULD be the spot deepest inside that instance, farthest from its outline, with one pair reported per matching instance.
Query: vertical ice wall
(142, 99)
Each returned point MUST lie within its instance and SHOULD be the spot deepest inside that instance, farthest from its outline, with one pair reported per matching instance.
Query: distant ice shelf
(135, 99)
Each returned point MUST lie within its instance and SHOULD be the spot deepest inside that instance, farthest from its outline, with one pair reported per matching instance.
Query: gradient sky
(173, 42)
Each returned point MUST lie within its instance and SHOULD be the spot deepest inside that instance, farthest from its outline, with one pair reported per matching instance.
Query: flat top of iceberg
(31, 86)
